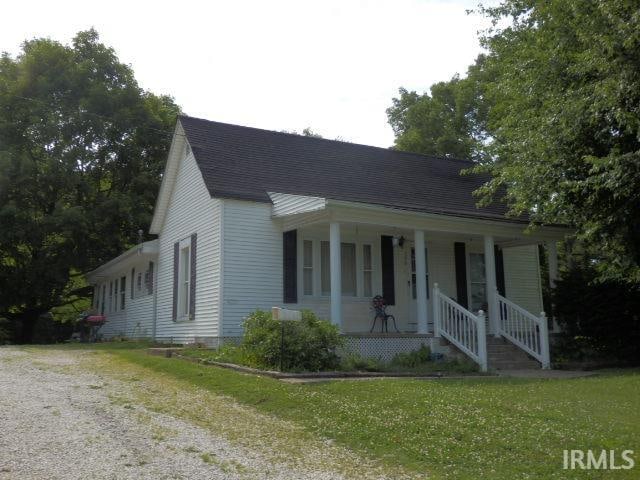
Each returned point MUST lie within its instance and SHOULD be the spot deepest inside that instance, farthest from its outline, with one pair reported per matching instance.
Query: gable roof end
(176, 153)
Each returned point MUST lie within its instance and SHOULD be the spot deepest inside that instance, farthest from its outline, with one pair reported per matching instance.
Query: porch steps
(501, 355)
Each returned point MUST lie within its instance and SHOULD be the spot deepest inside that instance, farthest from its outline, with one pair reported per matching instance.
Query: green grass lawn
(469, 428)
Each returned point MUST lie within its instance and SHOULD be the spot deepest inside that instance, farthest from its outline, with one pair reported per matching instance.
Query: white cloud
(279, 64)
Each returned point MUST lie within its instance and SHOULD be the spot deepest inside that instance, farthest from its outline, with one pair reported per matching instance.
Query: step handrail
(525, 330)
(461, 327)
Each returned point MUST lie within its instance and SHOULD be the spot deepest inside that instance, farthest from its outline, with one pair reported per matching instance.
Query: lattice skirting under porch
(384, 346)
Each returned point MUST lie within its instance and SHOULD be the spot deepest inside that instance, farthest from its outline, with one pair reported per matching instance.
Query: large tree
(565, 120)
(552, 112)
(448, 120)
(81, 153)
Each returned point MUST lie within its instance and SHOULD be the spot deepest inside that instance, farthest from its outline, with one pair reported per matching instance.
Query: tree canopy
(447, 121)
(82, 147)
(552, 112)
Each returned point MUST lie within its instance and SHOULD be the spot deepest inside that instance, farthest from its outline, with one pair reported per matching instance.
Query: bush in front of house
(354, 362)
(600, 320)
(309, 344)
(412, 359)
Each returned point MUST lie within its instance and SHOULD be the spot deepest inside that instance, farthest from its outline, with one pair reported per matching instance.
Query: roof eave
(146, 249)
(168, 179)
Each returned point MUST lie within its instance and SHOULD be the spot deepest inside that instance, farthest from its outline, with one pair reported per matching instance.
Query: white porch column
(421, 282)
(336, 274)
(552, 249)
(492, 288)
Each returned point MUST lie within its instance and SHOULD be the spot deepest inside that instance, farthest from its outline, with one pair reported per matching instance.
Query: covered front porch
(429, 268)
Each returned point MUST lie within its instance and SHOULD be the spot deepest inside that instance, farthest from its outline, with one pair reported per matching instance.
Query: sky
(333, 66)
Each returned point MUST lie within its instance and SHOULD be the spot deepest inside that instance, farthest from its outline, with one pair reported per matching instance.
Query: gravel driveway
(58, 421)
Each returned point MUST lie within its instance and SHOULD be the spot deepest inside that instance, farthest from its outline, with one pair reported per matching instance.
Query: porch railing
(461, 327)
(524, 330)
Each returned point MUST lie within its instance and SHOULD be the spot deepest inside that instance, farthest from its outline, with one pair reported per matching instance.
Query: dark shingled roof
(245, 163)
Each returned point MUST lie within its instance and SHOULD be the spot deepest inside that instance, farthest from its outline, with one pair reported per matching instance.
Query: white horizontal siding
(136, 319)
(140, 317)
(285, 204)
(191, 210)
(522, 277)
(252, 271)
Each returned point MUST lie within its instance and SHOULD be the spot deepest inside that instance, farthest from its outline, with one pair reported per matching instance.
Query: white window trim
(184, 283)
(314, 266)
(376, 278)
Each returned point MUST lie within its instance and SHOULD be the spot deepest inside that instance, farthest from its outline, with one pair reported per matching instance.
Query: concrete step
(501, 355)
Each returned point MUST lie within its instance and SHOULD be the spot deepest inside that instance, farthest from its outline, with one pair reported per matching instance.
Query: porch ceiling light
(397, 241)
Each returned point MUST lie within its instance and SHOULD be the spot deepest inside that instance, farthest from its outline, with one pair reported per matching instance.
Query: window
(184, 278)
(367, 271)
(307, 267)
(139, 284)
(123, 291)
(348, 264)
(148, 278)
(478, 282)
(348, 268)
(104, 292)
(110, 296)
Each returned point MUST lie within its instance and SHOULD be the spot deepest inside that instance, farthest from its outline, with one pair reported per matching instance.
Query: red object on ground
(96, 319)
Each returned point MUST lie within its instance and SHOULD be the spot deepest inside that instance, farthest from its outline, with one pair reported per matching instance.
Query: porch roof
(296, 211)
(145, 250)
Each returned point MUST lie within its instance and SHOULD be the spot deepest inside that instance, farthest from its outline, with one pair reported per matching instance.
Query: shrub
(412, 359)
(599, 320)
(309, 344)
(358, 363)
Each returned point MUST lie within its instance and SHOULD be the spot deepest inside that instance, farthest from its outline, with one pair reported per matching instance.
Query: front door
(412, 288)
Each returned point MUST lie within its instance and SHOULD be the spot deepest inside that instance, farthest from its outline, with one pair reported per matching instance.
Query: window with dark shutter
(289, 266)
(149, 281)
(461, 273)
(499, 270)
(388, 276)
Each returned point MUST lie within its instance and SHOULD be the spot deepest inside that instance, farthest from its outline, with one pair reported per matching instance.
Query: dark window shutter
(192, 280)
(499, 270)
(388, 277)
(150, 279)
(133, 281)
(290, 266)
(176, 261)
(461, 273)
